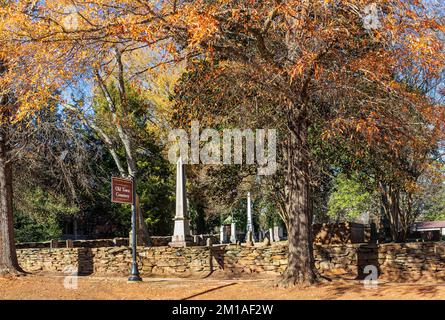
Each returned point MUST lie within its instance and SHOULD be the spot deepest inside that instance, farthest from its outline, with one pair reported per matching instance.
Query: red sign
(121, 190)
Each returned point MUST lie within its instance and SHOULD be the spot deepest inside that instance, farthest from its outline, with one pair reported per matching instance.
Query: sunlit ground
(54, 287)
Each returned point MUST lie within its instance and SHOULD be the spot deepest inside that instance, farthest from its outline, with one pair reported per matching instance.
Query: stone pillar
(249, 218)
(233, 232)
(181, 235)
(271, 235)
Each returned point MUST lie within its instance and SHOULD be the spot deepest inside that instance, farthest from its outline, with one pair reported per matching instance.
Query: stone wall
(116, 260)
(341, 233)
(156, 241)
(398, 262)
(97, 243)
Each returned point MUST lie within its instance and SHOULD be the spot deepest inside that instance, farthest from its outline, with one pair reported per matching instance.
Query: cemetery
(341, 252)
(220, 149)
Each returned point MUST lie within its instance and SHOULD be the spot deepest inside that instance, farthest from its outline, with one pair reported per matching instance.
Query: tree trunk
(8, 255)
(143, 237)
(397, 218)
(300, 269)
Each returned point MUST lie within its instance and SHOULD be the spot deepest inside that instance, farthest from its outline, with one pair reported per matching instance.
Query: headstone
(69, 244)
(266, 241)
(222, 235)
(181, 235)
(271, 237)
(233, 232)
(209, 242)
(278, 233)
(54, 244)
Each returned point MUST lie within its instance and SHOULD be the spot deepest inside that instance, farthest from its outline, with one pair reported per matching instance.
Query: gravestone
(278, 233)
(69, 244)
(233, 232)
(222, 234)
(54, 244)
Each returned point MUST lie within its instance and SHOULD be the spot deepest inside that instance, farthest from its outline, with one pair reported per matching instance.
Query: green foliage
(349, 199)
(42, 205)
(268, 215)
(39, 216)
(156, 190)
(27, 229)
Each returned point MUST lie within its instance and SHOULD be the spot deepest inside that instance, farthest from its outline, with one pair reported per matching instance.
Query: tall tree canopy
(325, 66)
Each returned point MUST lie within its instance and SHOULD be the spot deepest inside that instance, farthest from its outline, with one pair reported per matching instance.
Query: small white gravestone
(278, 233)
(222, 234)
(233, 232)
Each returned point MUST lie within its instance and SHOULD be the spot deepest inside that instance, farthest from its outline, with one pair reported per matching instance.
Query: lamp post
(134, 275)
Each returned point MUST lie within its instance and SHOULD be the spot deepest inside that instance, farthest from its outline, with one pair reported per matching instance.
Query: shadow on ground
(209, 290)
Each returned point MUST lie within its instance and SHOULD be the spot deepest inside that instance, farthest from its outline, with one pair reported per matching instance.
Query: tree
(8, 256)
(319, 59)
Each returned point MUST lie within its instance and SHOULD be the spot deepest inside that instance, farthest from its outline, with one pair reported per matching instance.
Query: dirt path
(52, 287)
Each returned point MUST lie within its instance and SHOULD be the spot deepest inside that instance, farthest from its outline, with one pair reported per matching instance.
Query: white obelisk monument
(181, 235)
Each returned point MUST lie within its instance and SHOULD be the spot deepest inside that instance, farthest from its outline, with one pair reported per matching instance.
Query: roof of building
(430, 224)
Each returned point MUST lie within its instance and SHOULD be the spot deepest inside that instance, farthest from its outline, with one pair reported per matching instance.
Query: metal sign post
(134, 276)
(124, 191)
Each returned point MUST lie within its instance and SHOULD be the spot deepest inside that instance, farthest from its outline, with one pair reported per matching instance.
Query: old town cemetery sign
(121, 190)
